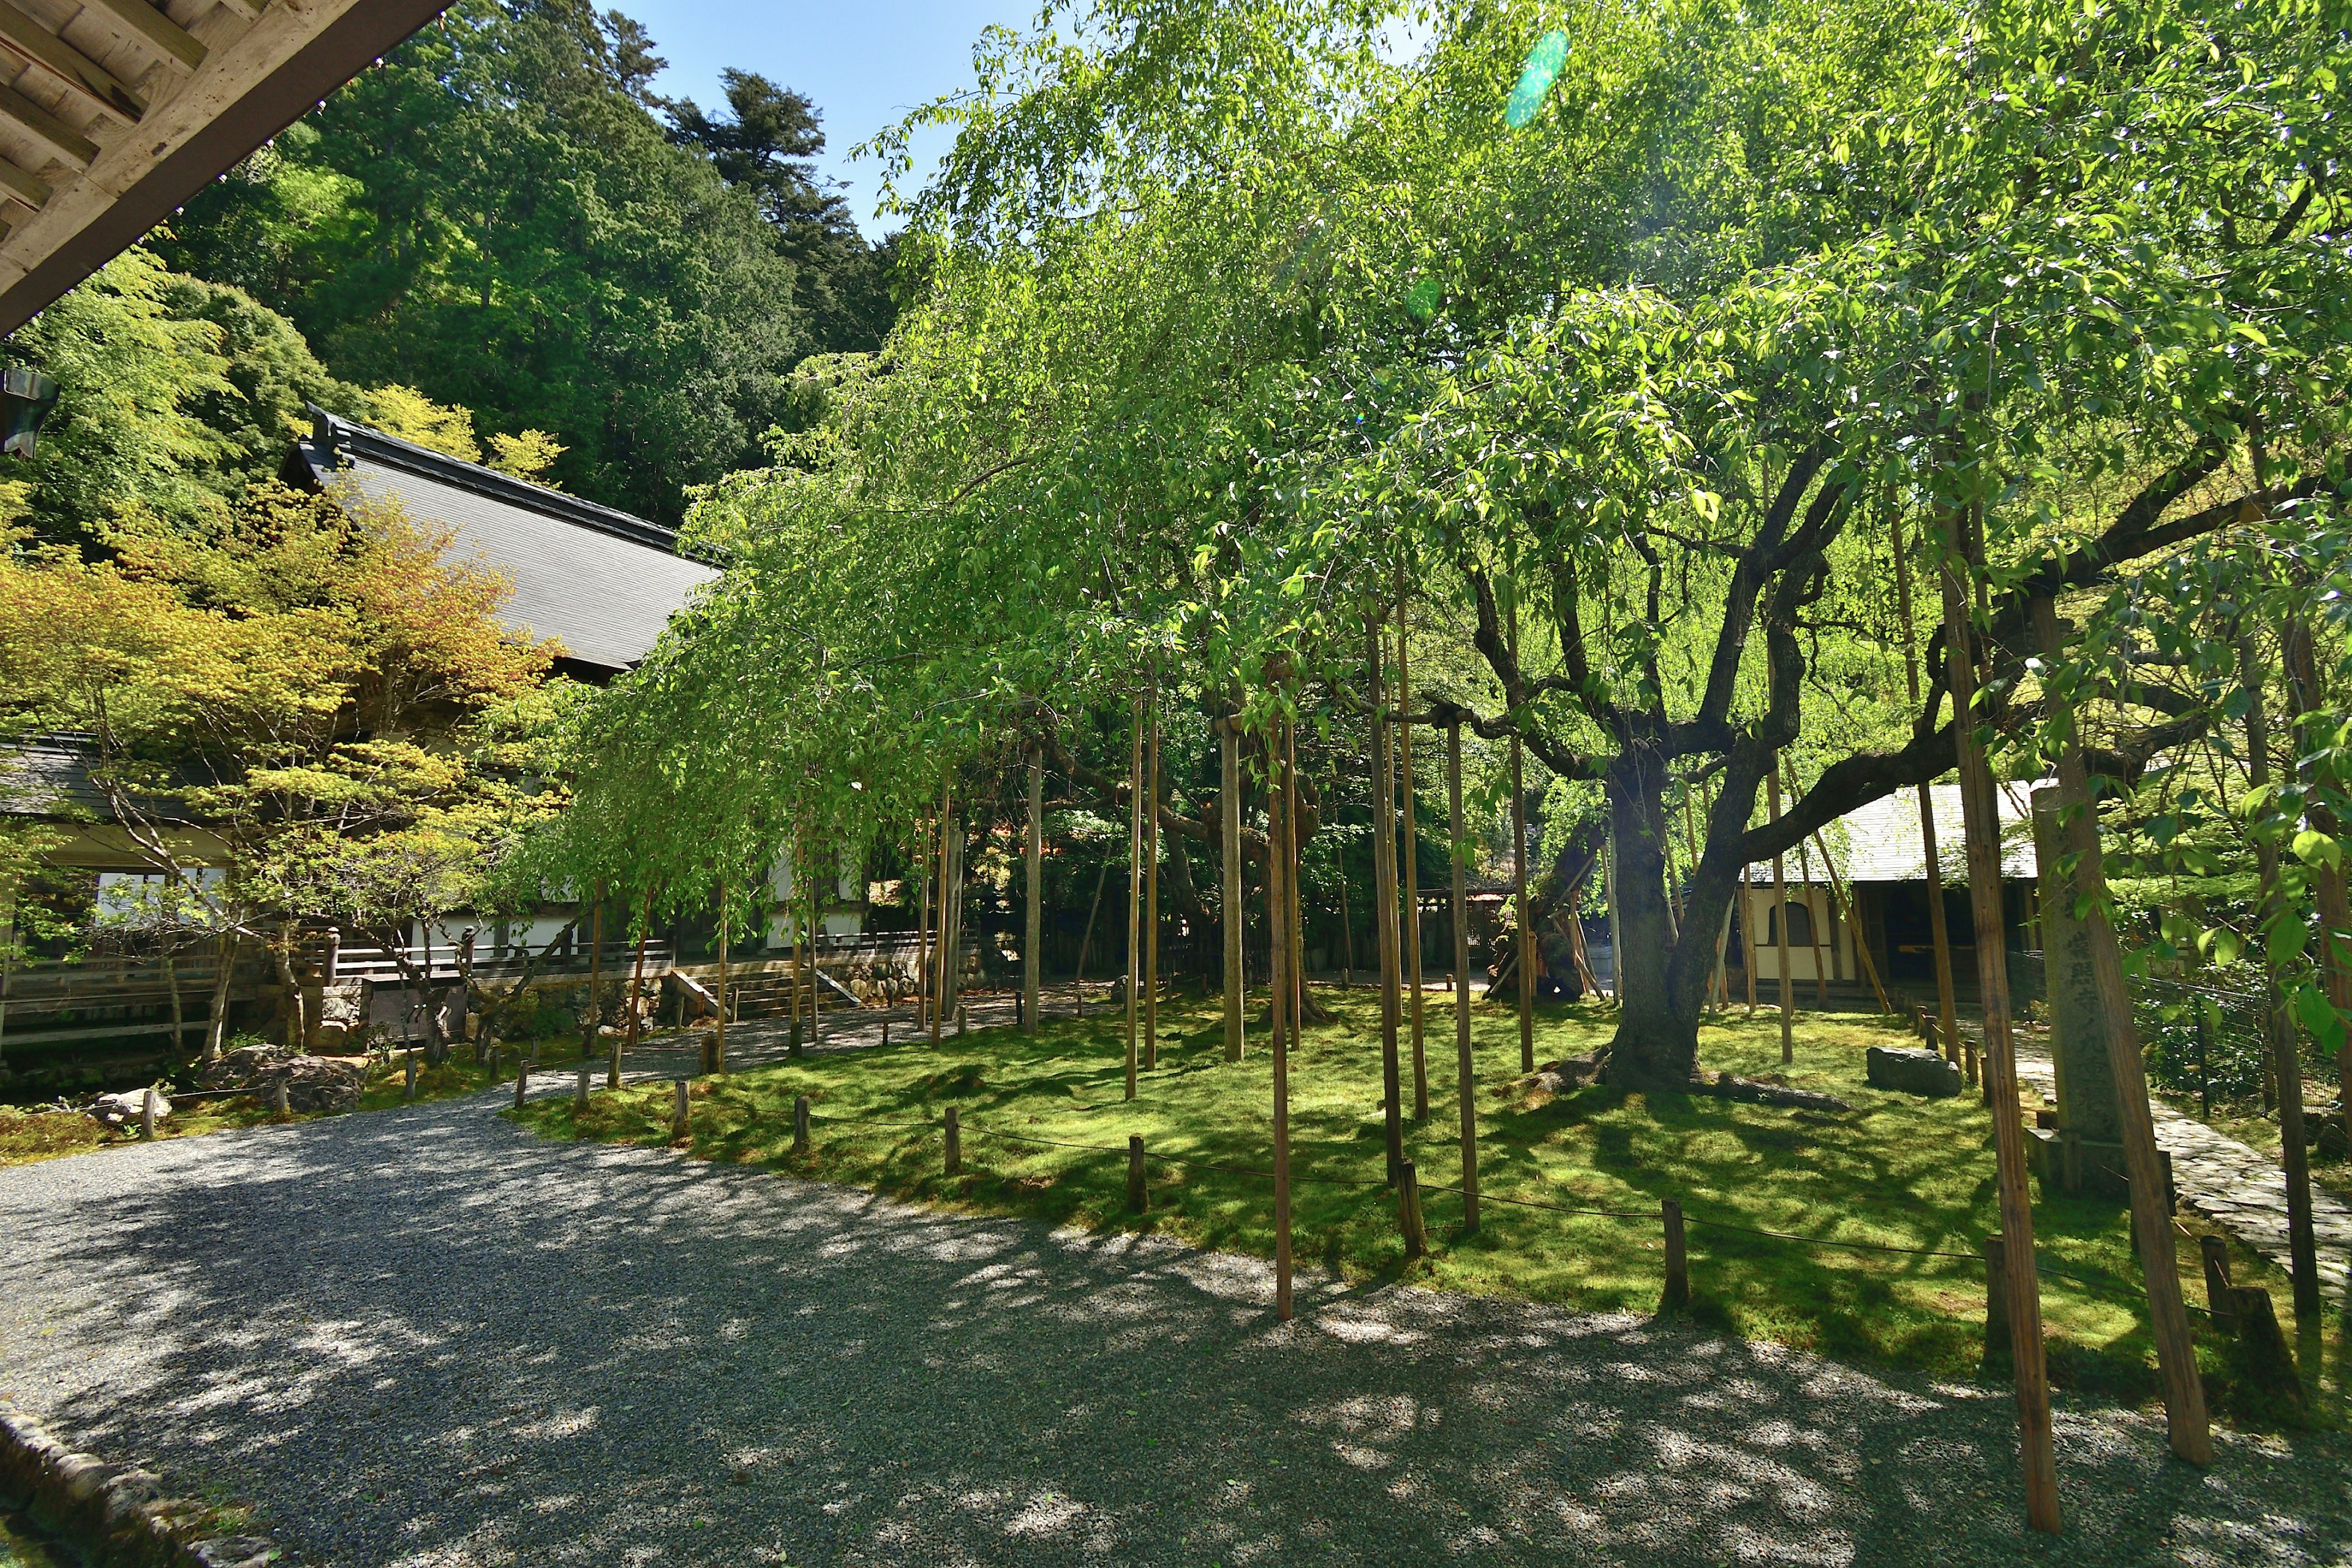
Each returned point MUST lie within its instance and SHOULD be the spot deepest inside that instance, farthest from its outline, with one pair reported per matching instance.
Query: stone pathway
(2237, 1188)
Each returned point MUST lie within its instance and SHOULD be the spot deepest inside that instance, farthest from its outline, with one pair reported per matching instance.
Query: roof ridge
(336, 439)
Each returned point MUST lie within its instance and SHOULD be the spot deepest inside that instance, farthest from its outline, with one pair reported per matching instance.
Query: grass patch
(25, 1137)
(1894, 1171)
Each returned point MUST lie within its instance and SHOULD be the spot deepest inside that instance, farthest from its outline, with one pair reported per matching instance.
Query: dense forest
(500, 219)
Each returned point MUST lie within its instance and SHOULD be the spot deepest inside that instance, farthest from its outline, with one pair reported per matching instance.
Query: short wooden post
(1677, 1294)
(147, 1113)
(885, 1031)
(580, 1093)
(799, 1124)
(2216, 1254)
(277, 1099)
(408, 1078)
(613, 1065)
(1139, 1195)
(955, 1143)
(963, 1018)
(681, 1119)
(1996, 1347)
(1416, 1237)
(795, 1046)
(523, 1083)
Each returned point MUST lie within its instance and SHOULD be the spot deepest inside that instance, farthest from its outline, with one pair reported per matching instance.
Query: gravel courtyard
(425, 1337)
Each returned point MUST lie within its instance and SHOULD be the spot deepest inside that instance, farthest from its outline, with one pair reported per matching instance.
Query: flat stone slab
(2237, 1188)
(1910, 1069)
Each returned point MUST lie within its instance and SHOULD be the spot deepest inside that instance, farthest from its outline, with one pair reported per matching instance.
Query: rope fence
(1670, 1211)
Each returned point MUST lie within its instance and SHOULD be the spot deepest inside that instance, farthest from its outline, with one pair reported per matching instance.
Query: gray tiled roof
(601, 581)
(1880, 842)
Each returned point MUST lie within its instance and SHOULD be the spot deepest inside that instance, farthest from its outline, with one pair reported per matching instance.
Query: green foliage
(496, 216)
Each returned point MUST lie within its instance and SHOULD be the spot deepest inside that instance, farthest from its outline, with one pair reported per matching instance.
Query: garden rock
(1908, 1069)
(312, 1083)
(122, 1109)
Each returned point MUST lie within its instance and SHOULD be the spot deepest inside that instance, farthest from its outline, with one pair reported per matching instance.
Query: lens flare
(1543, 66)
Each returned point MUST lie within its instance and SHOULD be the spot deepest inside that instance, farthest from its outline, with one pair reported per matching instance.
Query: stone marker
(1911, 1069)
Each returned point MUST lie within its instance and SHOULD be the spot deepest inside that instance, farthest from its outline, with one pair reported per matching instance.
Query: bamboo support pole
(1102, 875)
(1229, 811)
(2191, 1430)
(1282, 1260)
(1781, 925)
(1384, 909)
(1409, 846)
(1812, 926)
(1033, 933)
(1134, 880)
(1526, 982)
(2023, 1293)
(1853, 926)
(1948, 1014)
(595, 973)
(1294, 880)
(1151, 885)
(1465, 1078)
(718, 1062)
(2286, 1059)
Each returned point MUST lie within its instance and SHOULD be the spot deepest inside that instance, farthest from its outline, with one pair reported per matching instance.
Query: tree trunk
(1150, 797)
(216, 1023)
(1134, 885)
(1656, 1043)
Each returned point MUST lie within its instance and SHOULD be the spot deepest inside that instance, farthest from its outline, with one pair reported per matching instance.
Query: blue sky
(864, 65)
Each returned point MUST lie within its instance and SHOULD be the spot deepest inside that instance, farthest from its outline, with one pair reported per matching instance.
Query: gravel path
(425, 1337)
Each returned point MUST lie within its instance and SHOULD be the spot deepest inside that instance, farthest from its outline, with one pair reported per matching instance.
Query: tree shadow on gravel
(428, 1337)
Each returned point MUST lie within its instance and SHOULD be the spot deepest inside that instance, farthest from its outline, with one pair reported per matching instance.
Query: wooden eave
(114, 112)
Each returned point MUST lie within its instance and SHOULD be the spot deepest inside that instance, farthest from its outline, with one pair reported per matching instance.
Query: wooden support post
(408, 1075)
(2191, 1429)
(1032, 924)
(1279, 1010)
(1527, 931)
(1812, 925)
(1748, 945)
(1282, 1307)
(717, 1061)
(1947, 1009)
(595, 1018)
(1465, 1078)
(1781, 925)
(799, 1124)
(147, 1114)
(1139, 1192)
(579, 1093)
(2215, 1253)
(1102, 875)
(522, 1081)
(1229, 813)
(1998, 1341)
(1409, 846)
(1677, 1292)
(1152, 888)
(1134, 881)
(1844, 898)
(636, 987)
(1291, 881)
(1983, 833)
(681, 1116)
(1416, 1236)
(954, 1143)
(923, 941)
(1384, 909)
(2279, 1028)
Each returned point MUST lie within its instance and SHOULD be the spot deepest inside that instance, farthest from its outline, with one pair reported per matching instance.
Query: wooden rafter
(151, 28)
(23, 36)
(30, 189)
(64, 142)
